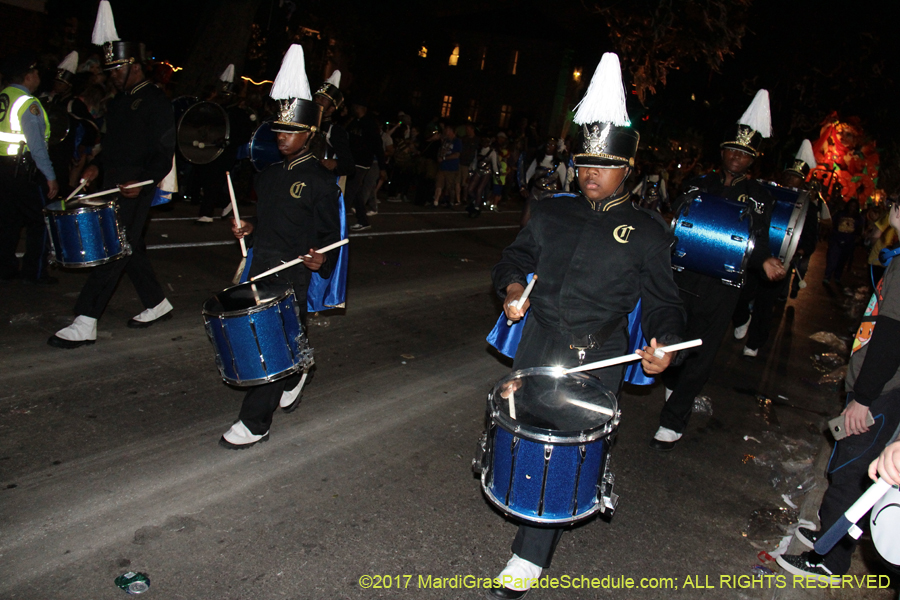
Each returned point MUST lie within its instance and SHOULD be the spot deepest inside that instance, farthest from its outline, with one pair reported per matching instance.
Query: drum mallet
(299, 260)
(237, 216)
(633, 357)
(518, 303)
(847, 521)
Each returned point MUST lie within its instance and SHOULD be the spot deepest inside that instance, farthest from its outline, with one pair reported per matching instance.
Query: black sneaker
(809, 565)
(807, 537)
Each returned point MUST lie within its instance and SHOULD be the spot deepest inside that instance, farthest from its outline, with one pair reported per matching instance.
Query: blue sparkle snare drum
(713, 238)
(546, 460)
(788, 218)
(256, 333)
(84, 236)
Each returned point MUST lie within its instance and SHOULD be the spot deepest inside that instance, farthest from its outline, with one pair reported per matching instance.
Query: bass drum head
(203, 132)
(552, 406)
(264, 147)
(246, 298)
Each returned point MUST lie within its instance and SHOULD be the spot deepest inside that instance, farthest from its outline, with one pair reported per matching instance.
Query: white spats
(335, 79)
(805, 153)
(84, 328)
(69, 63)
(228, 74)
(519, 574)
(152, 314)
(664, 434)
(758, 117)
(104, 26)
(604, 101)
(239, 436)
(291, 81)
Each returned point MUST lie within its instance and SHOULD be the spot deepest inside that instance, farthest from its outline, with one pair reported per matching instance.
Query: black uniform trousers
(764, 295)
(542, 347)
(261, 401)
(102, 282)
(848, 469)
(21, 203)
(709, 304)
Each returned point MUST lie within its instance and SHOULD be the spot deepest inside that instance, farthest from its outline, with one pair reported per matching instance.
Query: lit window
(445, 106)
(483, 57)
(576, 74)
(454, 56)
(515, 62)
(423, 52)
(505, 114)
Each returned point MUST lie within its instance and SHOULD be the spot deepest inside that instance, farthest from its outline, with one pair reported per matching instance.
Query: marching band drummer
(709, 302)
(297, 211)
(595, 255)
(138, 145)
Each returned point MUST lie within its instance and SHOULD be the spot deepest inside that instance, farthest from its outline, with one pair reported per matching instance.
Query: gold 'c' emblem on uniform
(622, 232)
(135, 104)
(743, 198)
(297, 189)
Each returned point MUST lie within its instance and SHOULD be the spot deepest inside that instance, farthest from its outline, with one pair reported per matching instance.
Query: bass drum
(181, 104)
(264, 147)
(203, 132)
(788, 218)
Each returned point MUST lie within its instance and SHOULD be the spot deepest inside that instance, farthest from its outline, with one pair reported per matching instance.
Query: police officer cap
(18, 65)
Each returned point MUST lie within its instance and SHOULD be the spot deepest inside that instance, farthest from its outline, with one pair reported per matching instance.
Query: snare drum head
(244, 298)
(73, 207)
(552, 404)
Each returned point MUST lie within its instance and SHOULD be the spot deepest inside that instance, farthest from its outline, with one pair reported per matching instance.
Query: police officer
(139, 145)
(25, 170)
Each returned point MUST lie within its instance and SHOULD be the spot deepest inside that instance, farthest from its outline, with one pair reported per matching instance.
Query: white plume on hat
(104, 26)
(69, 63)
(604, 100)
(291, 81)
(805, 153)
(758, 117)
(228, 74)
(335, 79)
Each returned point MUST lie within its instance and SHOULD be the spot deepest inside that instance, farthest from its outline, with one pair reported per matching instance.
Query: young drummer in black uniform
(709, 302)
(595, 255)
(138, 145)
(334, 140)
(297, 212)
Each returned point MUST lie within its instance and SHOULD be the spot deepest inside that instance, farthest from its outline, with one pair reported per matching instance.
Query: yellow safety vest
(13, 104)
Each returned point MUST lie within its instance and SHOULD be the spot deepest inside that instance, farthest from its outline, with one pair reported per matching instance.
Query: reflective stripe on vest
(15, 137)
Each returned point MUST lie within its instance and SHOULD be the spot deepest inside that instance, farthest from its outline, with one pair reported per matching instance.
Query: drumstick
(237, 217)
(75, 191)
(587, 405)
(632, 357)
(255, 293)
(522, 298)
(512, 404)
(300, 259)
(114, 190)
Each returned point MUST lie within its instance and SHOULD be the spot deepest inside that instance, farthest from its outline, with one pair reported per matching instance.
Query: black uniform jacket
(593, 266)
(140, 139)
(339, 141)
(297, 210)
(745, 190)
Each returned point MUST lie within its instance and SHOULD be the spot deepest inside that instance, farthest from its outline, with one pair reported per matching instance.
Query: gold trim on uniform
(142, 84)
(606, 156)
(297, 161)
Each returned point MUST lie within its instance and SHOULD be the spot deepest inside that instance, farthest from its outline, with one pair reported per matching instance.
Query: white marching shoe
(160, 312)
(741, 332)
(239, 437)
(82, 332)
(748, 351)
(290, 399)
(516, 579)
(664, 439)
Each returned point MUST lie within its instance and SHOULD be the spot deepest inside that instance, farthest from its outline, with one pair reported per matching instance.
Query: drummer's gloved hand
(314, 260)
(774, 269)
(651, 363)
(514, 291)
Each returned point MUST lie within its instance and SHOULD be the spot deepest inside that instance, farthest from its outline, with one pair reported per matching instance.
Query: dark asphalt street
(109, 459)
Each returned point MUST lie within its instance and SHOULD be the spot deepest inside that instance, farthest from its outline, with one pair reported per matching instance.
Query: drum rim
(543, 435)
(795, 225)
(252, 310)
(597, 507)
(252, 382)
(81, 209)
(253, 160)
